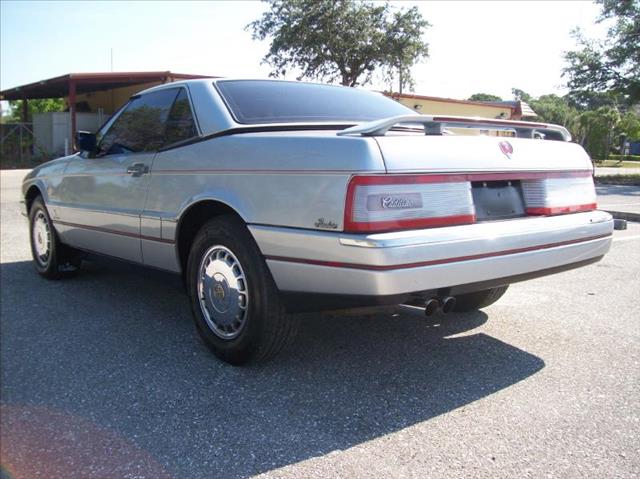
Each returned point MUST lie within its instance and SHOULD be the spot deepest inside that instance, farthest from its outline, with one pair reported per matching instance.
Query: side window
(180, 125)
(141, 125)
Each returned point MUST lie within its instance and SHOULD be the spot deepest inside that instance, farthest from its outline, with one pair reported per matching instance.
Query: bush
(618, 180)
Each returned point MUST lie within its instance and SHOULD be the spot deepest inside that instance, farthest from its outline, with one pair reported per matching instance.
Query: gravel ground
(103, 375)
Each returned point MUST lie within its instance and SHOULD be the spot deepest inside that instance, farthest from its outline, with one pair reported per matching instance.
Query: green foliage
(620, 161)
(484, 97)
(632, 179)
(610, 67)
(599, 130)
(341, 40)
(34, 106)
(554, 109)
(550, 109)
(595, 130)
(403, 46)
(629, 126)
(521, 95)
(592, 100)
(604, 130)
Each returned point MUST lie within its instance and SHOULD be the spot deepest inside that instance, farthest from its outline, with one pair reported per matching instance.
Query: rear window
(265, 101)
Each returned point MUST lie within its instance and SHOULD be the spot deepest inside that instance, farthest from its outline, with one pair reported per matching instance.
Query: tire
(51, 258)
(479, 299)
(235, 303)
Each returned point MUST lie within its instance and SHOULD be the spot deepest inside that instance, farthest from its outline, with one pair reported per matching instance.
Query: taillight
(568, 194)
(385, 203)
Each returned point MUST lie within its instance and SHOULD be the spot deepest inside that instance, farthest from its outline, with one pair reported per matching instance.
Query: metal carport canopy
(72, 84)
(59, 87)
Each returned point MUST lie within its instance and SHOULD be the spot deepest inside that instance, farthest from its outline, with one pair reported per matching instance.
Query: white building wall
(52, 130)
(42, 134)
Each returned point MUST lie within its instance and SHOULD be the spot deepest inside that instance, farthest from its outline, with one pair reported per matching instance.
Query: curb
(623, 215)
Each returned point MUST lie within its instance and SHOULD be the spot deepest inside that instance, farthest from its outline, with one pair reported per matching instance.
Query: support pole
(72, 112)
(25, 110)
(21, 145)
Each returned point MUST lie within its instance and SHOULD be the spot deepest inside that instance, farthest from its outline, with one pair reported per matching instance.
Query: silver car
(273, 197)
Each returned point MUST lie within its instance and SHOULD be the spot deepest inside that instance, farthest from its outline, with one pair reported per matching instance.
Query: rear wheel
(51, 258)
(479, 299)
(235, 303)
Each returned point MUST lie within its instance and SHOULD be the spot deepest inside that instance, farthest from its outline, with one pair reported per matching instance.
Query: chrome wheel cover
(41, 235)
(222, 292)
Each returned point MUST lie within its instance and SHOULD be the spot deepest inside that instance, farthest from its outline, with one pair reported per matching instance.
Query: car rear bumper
(397, 263)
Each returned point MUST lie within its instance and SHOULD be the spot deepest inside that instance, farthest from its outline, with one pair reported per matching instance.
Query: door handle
(137, 169)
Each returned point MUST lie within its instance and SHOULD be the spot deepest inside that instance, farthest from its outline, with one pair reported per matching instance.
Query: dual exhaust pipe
(445, 303)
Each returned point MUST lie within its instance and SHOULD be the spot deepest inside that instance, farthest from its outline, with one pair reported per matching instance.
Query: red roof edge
(396, 96)
(131, 77)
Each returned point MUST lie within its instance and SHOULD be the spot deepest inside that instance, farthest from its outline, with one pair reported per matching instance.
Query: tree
(521, 95)
(341, 40)
(592, 100)
(629, 126)
(611, 66)
(403, 46)
(34, 106)
(554, 109)
(596, 130)
(484, 97)
(627, 129)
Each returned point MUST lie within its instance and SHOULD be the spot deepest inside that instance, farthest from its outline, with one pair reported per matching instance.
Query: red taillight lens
(557, 195)
(385, 203)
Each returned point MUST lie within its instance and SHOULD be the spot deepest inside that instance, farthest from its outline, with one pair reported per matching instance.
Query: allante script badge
(329, 225)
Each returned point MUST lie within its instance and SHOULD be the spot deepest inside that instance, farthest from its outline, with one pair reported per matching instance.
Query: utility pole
(112, 59)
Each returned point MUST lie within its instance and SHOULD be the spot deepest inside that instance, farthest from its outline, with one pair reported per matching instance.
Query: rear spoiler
(435, 125)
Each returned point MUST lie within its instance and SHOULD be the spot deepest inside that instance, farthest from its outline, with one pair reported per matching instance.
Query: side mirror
(86, 141)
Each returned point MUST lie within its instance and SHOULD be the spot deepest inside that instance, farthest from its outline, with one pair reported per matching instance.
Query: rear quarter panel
(289, 179)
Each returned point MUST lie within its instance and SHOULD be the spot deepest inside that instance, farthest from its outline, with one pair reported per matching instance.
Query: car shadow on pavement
(115, 350)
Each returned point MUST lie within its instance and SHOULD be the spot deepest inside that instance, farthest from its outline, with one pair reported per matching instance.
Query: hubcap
(223, 292)
(41, 238)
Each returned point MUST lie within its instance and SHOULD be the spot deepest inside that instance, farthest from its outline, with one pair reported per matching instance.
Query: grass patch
(616, 157)
(618, 164)
(633, 180)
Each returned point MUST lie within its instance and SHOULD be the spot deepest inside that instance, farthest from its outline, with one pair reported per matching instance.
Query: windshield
(268, 101)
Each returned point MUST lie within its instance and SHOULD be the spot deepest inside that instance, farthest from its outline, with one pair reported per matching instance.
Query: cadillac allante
(274, 197)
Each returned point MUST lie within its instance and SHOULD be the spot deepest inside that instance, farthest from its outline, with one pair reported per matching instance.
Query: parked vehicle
(273, 197)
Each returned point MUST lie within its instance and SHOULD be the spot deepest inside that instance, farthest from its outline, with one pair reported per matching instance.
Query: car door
(103, 196)
(156, 226)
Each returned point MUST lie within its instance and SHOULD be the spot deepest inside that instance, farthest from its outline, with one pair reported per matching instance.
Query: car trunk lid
(437, 178)
(412, 153)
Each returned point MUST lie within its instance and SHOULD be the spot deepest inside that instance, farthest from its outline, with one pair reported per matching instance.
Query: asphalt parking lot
(103, 375)
(623, 199)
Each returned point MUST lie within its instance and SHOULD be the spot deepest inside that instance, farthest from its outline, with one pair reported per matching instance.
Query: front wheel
(479, 299)
(235, 303)
(51, 258)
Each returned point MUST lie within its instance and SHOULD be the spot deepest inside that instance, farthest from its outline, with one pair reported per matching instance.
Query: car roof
(216, 80)
(174, 84)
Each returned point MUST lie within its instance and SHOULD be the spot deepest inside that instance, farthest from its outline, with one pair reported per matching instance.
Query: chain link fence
(17, 148)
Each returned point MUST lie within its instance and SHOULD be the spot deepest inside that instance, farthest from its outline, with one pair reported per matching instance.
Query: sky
(475, 46)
